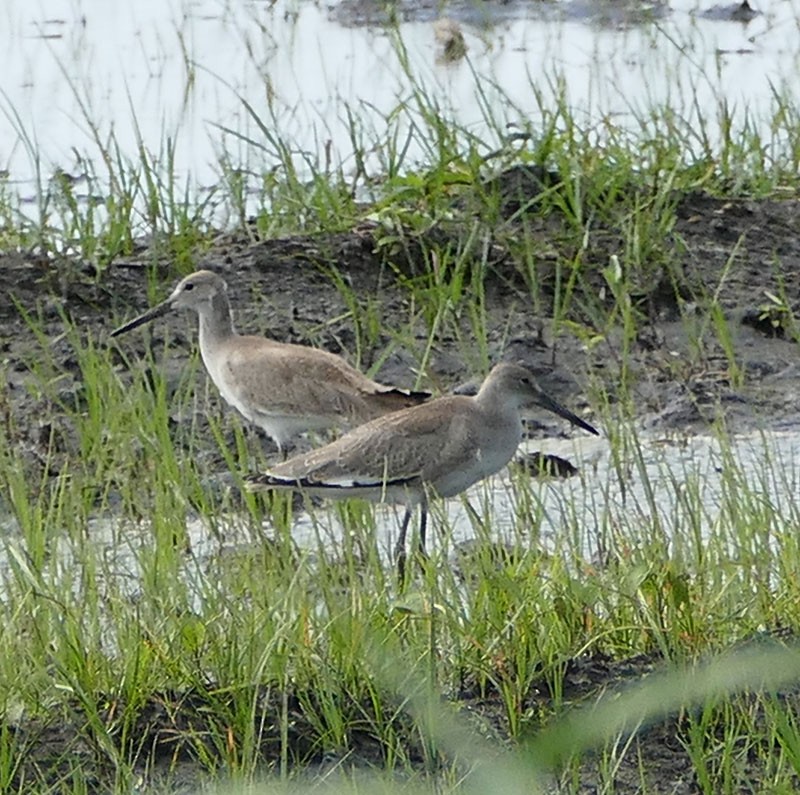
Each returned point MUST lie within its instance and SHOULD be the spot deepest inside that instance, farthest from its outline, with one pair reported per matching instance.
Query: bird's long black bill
(151, 314)
(548, 403)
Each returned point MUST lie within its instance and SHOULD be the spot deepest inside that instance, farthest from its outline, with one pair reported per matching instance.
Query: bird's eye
(188, 286)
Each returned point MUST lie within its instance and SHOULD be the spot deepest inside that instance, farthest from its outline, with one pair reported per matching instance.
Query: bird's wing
(292, 379)
(400, 447)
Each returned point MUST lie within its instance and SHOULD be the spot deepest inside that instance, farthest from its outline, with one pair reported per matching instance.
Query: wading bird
(439, 448)
(285, 389)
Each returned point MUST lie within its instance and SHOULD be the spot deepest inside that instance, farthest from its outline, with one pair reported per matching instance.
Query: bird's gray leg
(283, 448)
(423, 527)
(400, 546)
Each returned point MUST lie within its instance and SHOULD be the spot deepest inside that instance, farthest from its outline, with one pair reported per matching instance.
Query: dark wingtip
(394, 398)
(415, 397)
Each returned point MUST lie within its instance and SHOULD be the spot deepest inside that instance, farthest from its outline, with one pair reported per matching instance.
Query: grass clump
(160, 632)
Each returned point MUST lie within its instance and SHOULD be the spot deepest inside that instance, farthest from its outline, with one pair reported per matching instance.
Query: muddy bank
(732, 254)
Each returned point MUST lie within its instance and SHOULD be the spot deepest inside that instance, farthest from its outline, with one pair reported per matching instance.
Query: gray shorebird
(438, 448)
(285, 389)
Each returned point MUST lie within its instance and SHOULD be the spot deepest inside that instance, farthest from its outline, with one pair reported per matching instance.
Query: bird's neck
(491, 398)
(500, 414)
(216, 323)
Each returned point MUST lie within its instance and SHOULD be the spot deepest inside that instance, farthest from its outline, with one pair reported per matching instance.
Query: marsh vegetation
(632, 629)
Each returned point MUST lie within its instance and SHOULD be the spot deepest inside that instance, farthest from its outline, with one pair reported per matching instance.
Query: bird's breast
(486, 454)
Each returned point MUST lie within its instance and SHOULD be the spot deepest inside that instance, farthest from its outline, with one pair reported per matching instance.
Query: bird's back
(288, 389)
(446, 444)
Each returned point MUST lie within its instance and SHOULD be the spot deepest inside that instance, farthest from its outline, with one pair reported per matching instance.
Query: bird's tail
(264, 481)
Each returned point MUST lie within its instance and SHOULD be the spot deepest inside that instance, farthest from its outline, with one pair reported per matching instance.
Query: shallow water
(684, 487)
(682, 484)
(77, 71)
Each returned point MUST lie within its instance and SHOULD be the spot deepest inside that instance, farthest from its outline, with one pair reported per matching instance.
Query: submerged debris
(546, 465)
(731, 12)
(448, 33)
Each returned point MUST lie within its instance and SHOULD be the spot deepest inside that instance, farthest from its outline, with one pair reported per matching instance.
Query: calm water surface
(679, 490)
(75, 72)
